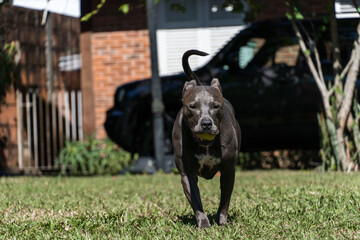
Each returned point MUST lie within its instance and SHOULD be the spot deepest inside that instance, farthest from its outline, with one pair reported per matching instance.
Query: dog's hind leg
(191, 190)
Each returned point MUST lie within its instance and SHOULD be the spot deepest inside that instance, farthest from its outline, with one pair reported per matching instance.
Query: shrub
(92, 157)
(279, 159)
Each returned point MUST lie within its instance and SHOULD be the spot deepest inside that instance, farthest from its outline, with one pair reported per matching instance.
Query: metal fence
(45, 125)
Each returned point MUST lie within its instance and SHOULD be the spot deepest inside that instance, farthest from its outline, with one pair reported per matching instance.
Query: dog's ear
(215, 83)
(188, 85)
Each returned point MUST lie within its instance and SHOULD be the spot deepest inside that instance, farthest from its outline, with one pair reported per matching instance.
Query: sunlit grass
(266, 205)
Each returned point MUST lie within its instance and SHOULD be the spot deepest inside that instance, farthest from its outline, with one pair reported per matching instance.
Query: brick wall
(8, 127)
(119, 50)
(117, 58)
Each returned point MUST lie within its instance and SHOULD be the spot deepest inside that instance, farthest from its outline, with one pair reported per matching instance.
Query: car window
(260, 52)
(281, 52)
(287, 55)
(249, 50)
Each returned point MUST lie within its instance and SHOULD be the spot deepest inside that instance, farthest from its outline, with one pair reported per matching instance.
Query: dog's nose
(206, 123)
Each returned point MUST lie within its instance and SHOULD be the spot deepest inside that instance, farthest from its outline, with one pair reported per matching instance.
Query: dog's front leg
(227, 179)
(191, 190)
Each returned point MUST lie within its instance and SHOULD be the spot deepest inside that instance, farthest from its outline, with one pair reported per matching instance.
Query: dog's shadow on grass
(190, 219)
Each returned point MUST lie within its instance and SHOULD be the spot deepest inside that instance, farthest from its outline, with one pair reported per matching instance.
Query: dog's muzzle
(206, 125)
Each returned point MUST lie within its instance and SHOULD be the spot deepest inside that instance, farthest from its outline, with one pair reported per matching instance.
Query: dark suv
(262, 73)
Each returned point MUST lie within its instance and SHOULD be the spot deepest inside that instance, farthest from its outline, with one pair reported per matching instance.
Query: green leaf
(289, 16)
(307, 52)
(85, 18)
(81, 163)
(73, 167)
(63, 169)
(124, 8)
(88, 16)
(338, 90)
(299, 16)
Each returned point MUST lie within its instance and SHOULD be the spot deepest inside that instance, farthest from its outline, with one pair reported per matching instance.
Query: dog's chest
(207, 160)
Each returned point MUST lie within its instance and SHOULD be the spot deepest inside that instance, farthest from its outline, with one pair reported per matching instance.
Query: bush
(8, 68)
(279, 159)
(92, 157)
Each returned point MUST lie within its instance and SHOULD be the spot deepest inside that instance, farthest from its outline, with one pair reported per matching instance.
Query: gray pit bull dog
(206, 139)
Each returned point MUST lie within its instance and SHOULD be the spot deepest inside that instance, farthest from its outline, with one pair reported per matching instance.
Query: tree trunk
(334, 141)
(344, 161)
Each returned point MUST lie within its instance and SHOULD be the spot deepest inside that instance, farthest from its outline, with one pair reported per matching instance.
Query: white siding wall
(172, 43)
(346, 9)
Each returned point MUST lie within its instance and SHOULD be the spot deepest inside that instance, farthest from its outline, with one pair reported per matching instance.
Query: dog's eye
(216, 106)
(192, 106)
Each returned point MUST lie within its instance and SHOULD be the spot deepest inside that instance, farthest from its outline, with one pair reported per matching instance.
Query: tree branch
(318, 63)
(319, 82)
(316, 52)
(335, 45)
(350, 83)
(348, 65)
(356, 5)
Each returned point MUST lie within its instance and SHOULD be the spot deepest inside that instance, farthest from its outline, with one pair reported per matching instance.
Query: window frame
(202, 17)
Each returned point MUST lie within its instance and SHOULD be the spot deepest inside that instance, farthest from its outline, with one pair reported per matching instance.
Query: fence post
(35, 122)
(19, 106)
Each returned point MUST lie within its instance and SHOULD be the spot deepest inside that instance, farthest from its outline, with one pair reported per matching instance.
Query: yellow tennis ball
(206, 136)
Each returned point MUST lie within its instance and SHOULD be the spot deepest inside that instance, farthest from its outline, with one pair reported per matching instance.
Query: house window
(193, 24)
(180, 13)
(220, 14)
(197, 13)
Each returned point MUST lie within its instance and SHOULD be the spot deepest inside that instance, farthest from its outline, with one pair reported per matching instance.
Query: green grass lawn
(265, 205)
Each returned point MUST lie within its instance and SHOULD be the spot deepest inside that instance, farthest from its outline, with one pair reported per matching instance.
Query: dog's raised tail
(190, 75)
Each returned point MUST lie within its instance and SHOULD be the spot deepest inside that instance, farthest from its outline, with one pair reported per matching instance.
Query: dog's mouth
(204, 139)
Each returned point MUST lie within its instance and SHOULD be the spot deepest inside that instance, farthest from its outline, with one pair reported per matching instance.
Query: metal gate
(44, 126)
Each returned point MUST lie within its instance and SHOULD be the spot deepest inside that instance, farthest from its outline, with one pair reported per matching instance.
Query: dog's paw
(221, 219)
(202, 220)
(204, 223)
